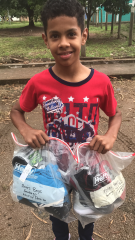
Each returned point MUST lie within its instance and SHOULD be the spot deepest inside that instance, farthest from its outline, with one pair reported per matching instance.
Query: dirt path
(16, 219)
(23, 31)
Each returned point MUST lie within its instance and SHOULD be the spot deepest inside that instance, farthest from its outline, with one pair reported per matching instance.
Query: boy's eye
(54, 36)
(72, 34)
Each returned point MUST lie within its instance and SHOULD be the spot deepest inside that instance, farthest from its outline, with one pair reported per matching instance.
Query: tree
(37, 12)
(120, 7)
(19, 5)
(110, 7)
(124, 8)
(3, 13)
(90, 8)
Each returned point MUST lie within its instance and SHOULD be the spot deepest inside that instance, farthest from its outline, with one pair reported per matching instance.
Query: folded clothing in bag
(43, 186)
(100, 188)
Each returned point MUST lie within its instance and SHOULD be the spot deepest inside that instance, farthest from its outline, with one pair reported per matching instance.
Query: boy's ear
(84, 36)
(45, 40)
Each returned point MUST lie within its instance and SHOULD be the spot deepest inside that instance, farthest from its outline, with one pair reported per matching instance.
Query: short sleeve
(109, 103)
(28, 98)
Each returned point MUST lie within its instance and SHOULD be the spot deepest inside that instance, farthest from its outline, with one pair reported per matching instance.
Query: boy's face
(64, 39)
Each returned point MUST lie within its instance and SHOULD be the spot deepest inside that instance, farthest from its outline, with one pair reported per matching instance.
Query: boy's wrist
(111, 134)
(24, 129)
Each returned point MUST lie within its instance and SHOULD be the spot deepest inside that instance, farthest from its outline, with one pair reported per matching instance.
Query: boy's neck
(74, 73)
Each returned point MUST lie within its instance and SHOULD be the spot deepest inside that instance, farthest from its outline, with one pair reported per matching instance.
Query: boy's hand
(102, 144)
(35, 138)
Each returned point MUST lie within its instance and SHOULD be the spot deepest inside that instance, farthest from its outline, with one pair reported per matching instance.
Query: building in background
(96, 18)
(15, 19)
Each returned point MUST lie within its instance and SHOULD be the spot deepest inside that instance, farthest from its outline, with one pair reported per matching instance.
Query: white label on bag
(109, 193)
(25, 173)
(39, 193)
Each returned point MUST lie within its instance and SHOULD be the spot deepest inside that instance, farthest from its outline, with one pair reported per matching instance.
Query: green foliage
(37, 12)
(26, 3)
(23, 8)
(90, 6)
(117, 6)
(3, 12)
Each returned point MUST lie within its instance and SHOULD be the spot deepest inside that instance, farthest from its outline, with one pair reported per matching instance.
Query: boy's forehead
(62, 23)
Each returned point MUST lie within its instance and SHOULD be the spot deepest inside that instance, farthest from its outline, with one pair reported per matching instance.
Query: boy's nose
(64, 42)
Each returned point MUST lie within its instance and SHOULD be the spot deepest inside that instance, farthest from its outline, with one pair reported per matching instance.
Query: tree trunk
(101, 18)
(97, 18)
(106, 22)
(31, 16)
(88, 21)
(112, 23)
(115, 18)
(131, 29)
(119, 25)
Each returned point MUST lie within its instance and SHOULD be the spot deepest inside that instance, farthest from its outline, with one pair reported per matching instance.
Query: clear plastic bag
(64, 157)
(99, 185)
(38, 180)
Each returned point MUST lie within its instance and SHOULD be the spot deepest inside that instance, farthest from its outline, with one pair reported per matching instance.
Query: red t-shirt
(70, 110)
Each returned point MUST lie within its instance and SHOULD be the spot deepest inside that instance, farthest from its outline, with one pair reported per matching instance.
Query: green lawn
(103, 44)
(27, 46)
(5, 25)
(100, 44)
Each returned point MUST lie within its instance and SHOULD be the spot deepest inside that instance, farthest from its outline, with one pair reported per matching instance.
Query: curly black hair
(56, 8)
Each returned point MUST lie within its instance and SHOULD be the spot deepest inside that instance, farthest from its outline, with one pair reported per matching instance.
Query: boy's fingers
(95, 143)
(100, 149)
(36, 139)
(41, 140)
(45, 137)
(31, 144)
(36, 143)
(92, 143)
(96, 146)
(104, 151)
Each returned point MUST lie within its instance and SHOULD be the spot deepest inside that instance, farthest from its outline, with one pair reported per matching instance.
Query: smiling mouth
(65, 53)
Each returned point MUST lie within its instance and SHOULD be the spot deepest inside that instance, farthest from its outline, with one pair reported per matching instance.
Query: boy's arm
(33, 137)
(104, 143)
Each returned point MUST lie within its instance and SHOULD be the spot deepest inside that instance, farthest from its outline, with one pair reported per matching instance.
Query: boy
(70, 94)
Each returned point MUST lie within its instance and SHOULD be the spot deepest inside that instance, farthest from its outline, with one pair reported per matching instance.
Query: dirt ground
(23, 31)
(17, 222)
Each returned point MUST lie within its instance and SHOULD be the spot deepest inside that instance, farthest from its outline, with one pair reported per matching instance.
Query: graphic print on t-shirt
(63, 124)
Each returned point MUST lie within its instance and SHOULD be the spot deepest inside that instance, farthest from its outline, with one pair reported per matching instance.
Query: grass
(100, 44)
(109, 48)
(103, 44)
(26, 47)
(7, 25)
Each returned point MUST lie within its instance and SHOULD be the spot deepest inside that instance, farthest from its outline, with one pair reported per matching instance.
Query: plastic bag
(99, 184)
(37, 178)
(64, 157)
